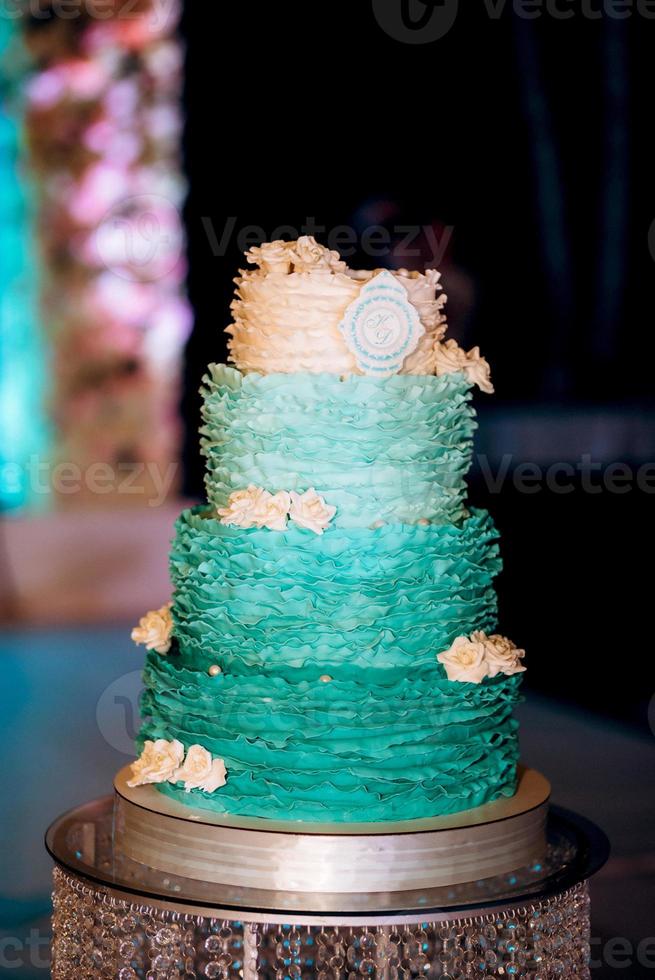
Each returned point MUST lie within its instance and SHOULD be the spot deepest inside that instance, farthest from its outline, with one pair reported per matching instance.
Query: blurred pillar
(24, 435)
(103, 124)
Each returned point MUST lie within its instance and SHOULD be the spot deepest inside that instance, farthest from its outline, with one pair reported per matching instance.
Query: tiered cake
(330, 652)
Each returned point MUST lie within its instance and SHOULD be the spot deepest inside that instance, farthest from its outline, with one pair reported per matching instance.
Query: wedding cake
(330, 651)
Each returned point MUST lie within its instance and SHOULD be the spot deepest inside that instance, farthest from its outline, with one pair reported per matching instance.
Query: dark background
(531, 139)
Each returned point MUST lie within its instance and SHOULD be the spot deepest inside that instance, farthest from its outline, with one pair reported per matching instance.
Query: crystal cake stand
(115, 917)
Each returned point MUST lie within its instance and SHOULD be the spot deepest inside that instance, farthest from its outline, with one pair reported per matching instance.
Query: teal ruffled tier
(339, 751)
(393, 450)
(389, 737)
(296, 605)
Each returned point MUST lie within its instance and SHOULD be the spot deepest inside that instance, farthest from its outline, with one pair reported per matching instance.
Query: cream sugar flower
(200, 771)
(243, 507)
(309, 510)
(273, 258)
(308, 255)
(502, 656)
(450, 357)
(465, 660)
(158, 763)
(256, 507)
(163, 761)
(304, 255)
(155, 629)
(275, 510)
(473, 658)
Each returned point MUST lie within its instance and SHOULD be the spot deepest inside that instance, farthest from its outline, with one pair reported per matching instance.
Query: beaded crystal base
(100, 936)
(115, 918)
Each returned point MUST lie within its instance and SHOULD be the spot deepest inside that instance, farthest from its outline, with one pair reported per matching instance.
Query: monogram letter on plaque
(381, 327)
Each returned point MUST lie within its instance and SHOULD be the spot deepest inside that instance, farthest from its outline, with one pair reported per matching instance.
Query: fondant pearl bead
(325, 678)
(214, 670)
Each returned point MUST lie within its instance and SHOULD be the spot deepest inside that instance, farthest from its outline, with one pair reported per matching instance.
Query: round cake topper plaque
(381, 327)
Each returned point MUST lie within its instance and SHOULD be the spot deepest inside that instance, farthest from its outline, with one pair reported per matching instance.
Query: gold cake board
(294, 856)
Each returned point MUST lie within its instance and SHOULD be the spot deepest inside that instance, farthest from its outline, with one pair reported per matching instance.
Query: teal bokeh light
(24, 430)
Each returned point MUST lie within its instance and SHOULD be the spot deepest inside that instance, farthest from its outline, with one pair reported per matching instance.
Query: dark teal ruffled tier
(393, 450)
(388, 737)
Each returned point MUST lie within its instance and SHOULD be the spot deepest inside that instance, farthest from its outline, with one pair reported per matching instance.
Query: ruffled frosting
(288, 309)
(450, 357)
(391, 450)
(384, 601)
(340, 750)
(330, 704)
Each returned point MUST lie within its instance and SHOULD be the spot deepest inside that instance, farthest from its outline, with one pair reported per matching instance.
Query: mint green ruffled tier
(296, 605)
(388, 737)
(339, 751)
(391, 450)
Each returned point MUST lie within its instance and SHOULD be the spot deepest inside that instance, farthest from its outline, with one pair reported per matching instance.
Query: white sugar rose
(155, 629)
(308, 255)
(274, 510)
(502, 656)
(199, 771)
(274, 258)
(310, 510)
(215, 778)
(158, 762)
(465, 660)
(256, 507)
(244, 507)
(450, 357)
(195, 768)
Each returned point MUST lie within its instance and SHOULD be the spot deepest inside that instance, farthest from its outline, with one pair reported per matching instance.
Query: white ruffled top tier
(288, 309)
